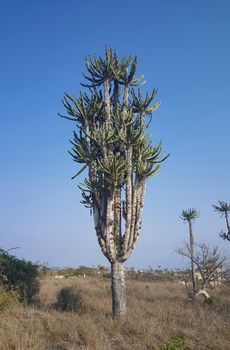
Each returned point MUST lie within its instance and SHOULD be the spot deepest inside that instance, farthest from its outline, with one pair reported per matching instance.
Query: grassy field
(157, 312)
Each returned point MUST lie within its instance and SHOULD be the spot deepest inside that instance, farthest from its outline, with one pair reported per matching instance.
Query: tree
(209, 263)
(111, 142)
(190, 216)
(223, 209)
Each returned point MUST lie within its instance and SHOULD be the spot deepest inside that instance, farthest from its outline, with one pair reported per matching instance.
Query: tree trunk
(192, 257)
(204, 293)
(118, 290)
(228, 226)
(227, 222)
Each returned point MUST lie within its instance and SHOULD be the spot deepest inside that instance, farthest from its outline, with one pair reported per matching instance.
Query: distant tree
(44, 270)
(209, 263)
(223, 208)
(111, 142)
(190, 216)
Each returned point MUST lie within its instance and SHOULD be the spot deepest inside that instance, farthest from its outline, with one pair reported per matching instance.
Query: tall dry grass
(156, 312)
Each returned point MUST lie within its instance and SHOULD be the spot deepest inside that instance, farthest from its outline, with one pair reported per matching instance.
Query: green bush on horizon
(19, 275)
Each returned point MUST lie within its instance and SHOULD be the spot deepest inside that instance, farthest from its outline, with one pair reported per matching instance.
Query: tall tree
(111, 142)
(190, 216)
(224, 209)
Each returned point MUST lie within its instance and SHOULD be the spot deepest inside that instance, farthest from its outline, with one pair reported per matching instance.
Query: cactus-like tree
(190, 216)
(223, 208)
(110, 141)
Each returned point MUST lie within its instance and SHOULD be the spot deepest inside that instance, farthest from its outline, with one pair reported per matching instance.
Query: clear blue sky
(184, 51)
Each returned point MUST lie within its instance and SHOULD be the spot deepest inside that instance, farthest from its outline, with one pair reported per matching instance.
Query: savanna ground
(157, 311)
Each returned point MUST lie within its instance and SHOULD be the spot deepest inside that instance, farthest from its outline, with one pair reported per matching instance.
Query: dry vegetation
(157, 311)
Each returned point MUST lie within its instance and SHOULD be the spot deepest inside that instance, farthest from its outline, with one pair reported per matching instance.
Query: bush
(68, 299)
(19, 275)
(213, 300)
(7, 299)
(176, 343)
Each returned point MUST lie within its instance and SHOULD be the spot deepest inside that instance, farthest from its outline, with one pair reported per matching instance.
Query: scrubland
(157, 313)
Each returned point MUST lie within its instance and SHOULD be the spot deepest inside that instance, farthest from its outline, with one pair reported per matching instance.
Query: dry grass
(156, 312)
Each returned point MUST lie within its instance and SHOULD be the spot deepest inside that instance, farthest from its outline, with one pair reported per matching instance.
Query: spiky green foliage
(112, 117)
(223, 209)
(190, 214)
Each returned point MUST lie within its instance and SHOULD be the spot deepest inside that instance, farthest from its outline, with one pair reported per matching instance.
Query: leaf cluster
(111, 118)
(122, 71)
(190, 214)
(222, 208)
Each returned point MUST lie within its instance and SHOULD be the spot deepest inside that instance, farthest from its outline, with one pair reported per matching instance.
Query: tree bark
(227, 222)
(192, 257)
(228, 226)
(118, 290)
(204, 293)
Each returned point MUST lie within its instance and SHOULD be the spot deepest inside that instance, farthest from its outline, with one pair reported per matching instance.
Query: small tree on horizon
(190, 216)
(223, 208)
(111, 142)
(210, 264)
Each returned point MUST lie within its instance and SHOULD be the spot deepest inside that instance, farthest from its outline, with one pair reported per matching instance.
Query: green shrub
(176, 343)
(7, 299)
(19, 275)
(69, 299)
(213, 300)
